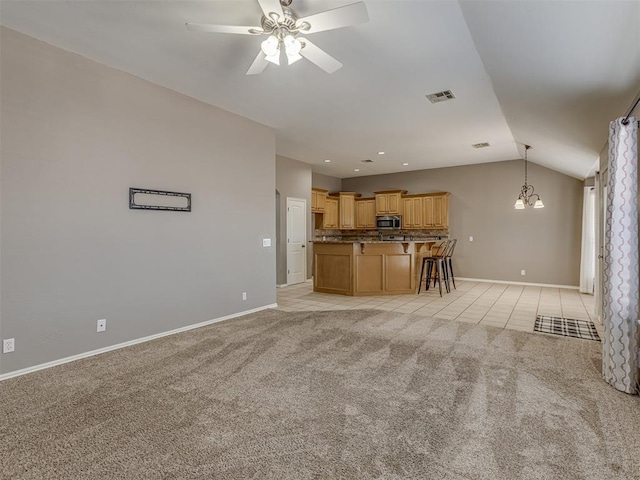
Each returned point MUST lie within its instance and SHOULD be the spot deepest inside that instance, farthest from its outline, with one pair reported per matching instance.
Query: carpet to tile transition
(358, 394)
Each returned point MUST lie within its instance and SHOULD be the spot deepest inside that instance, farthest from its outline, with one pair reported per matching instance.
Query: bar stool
(447, 261)
(437, 260)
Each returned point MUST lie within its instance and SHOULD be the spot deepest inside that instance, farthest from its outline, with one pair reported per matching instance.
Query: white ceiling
(551, 74)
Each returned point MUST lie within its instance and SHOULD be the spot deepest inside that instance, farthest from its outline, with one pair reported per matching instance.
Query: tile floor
(493, 304)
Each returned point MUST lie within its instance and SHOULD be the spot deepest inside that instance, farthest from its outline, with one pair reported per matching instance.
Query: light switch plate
(266, 242)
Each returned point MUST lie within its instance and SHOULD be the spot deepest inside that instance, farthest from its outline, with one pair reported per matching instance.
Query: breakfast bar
(367, 267)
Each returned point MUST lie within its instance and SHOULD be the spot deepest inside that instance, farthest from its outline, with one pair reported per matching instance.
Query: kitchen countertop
(378, 241)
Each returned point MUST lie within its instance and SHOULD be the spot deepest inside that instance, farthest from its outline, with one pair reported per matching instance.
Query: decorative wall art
(145, 199)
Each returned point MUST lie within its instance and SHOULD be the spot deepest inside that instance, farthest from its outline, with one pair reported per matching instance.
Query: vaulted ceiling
(550, 74)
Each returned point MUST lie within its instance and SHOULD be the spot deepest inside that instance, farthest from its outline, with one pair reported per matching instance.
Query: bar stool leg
(421, 274)
(453, 279)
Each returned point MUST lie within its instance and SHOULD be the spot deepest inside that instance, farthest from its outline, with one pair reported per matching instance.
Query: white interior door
(296, 240)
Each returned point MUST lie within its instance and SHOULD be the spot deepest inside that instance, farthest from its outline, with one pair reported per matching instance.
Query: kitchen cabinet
(413, 211)
(347, 210)
(436, 211)
(318, 196)
(389, 202)
(331, 212)
(355, 268)
(366, 213)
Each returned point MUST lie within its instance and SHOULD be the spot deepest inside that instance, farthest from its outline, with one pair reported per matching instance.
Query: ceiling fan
(284, 28)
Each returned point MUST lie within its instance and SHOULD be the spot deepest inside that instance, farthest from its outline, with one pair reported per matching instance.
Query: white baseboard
(549, 285)
(129, 343)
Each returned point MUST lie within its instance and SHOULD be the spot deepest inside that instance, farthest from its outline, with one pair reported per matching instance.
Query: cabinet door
(382, 204)
(437, 211)
(407, 217)
(417, 205)
(347, 212)
(331, 213)
(394, 203)
(441, 211)
(320, 201)
(427, 217)
(370, 214)
(361, 214)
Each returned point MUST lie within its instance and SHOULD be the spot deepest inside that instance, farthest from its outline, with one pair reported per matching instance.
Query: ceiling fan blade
(318, 56)
(271, 6)
(258, 65)
(337, 18)
(241, 30)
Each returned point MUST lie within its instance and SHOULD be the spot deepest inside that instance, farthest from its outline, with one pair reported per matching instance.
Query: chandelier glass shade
(281, 37)
(527, 197)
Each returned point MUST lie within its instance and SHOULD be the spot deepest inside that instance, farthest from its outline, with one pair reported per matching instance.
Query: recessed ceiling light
(356, 169)
(380, 153)
(405, 164)
(327, 161)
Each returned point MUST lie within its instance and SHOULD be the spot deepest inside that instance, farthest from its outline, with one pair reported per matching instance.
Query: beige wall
(75, 135)
(332, 184)
(544, 242)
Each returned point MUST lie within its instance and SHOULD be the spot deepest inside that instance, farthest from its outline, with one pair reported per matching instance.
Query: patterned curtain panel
(620, 343)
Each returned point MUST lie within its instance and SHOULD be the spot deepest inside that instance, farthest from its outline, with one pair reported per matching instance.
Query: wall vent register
(441, 96)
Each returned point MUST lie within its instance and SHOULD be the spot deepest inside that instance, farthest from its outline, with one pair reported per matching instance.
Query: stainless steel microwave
(390, 222)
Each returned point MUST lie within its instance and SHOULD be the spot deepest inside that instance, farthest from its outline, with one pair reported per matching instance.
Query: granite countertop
(415, 240)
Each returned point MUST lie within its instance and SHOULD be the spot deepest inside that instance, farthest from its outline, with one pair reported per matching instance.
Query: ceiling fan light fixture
(292, 45)
(271, 47)
(275, 59)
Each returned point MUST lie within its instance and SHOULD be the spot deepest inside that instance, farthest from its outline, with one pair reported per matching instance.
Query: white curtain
(620, 343)
(588, 256)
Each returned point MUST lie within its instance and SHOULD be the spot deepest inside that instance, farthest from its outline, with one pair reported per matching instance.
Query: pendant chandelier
(527, 196)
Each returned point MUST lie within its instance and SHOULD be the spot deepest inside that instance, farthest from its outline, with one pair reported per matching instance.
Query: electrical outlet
(266, 242)
(8, 345)
(522, 272)
(244, 295)
(102, 325)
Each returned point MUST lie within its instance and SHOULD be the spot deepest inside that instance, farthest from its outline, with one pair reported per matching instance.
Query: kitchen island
(367, 267)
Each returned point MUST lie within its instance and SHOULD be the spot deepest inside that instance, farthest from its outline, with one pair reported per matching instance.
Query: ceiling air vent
(367, 161)
(481, 145)
(441, 96)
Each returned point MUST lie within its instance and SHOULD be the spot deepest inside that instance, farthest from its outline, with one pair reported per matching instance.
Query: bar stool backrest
(440, 249)
(451, 248)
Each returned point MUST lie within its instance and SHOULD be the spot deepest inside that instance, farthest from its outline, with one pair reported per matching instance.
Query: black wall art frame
(165, 200)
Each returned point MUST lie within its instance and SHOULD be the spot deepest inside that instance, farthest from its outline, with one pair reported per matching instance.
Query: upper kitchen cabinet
(366, 213)
(436, 210)
(318, 197)
(413, 211)
(389, 202)
(331, 212)
(347, 210)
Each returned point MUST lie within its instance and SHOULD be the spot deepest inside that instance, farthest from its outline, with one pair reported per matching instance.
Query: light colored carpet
(358, 394)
